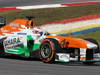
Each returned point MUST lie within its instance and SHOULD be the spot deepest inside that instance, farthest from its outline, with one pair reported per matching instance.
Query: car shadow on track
(77, 64)
(16, 57)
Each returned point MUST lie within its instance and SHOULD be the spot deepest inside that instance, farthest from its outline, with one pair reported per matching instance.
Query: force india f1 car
(28, 41)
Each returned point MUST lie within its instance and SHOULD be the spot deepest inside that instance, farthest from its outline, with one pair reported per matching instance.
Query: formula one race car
(29, 41)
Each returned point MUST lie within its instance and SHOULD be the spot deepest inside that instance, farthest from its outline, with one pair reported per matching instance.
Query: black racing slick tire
(95, 42)
(89, 54)
(48, 50)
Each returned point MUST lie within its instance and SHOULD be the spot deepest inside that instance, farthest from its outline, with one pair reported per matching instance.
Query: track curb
(47, 6)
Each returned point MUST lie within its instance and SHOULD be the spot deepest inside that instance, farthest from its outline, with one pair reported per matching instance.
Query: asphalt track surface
(20, 66)
(9, 3)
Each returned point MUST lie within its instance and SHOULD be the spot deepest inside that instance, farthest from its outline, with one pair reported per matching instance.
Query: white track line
(41, 6)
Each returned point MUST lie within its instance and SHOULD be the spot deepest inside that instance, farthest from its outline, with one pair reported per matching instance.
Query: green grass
(94, 35)
(52, 14)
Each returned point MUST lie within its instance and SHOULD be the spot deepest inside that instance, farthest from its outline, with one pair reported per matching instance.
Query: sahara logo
(12, 43)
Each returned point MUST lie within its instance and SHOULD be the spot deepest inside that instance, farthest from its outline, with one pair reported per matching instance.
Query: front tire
(89, 55)
(95, 42)
(48, 50)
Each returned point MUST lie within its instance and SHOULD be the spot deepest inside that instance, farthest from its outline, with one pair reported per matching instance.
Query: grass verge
(94, 35)
(51, 14)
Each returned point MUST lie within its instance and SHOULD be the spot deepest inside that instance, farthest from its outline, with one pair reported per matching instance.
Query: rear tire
(1, 46)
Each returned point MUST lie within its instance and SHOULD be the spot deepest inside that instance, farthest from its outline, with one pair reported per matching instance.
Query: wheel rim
(45, 50)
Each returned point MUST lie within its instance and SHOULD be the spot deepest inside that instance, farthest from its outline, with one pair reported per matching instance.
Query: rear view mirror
(2, 21)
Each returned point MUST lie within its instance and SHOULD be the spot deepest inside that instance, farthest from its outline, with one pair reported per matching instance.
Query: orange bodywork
(19, 23)
(16, 26)
(70, 42)
(0, 32)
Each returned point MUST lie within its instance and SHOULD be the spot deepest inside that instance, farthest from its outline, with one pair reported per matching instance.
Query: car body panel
(71, 41)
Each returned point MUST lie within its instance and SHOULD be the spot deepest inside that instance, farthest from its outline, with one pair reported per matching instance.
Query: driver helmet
(36, 30)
